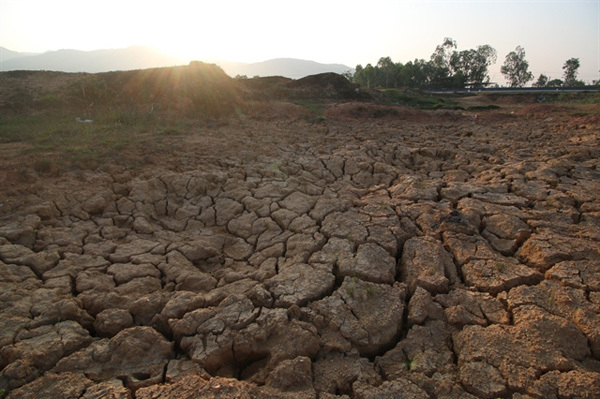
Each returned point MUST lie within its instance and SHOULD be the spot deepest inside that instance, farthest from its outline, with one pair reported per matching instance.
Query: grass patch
(63, 141)
(315, 108)
(483, 107)
(415, 99)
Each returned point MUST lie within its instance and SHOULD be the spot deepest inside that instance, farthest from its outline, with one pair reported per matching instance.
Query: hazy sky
(347, 32)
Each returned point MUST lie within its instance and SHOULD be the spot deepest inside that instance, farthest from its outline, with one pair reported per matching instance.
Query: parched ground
(378, 254)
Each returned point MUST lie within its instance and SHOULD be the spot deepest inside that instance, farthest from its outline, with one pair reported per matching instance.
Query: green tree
(542, 81)
(471, 66)
(370, 76)
(440, 73)
(515, 68)
(386, 72)
(570, 71)
(554, 83)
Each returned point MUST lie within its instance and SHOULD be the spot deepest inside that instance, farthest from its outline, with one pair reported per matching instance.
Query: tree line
(449, 68)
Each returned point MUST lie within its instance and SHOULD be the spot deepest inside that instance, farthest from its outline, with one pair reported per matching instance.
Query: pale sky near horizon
(348, 32)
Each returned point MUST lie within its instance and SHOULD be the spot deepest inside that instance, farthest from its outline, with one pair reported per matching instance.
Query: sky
(347, 32)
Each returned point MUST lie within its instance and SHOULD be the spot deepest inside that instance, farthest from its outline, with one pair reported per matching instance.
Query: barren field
(376, 252)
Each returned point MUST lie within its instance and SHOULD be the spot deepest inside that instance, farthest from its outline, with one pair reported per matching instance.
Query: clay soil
(373, 252)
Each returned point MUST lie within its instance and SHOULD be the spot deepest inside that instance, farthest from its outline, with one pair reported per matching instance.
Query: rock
(138, 355)
(400, 388)
(497, 275)
(70, 386)
(421, 307)
(39, 349)
(363, 315)
(565, 302)
(110, 322)
(39, 262)
(21, 232)
(113, 389)
(543, 250)
(125, 272)
(198, 387)
(426, 350)
(552, 344)
(583, 274)
(123, 253)
(483, 380)
(371, 263)
(298, 203)
(336, 372)
(425, 263)
(464, 307)
(347, 225)
(178, 369)
(299, 284)
(292, 375)
(96, 204)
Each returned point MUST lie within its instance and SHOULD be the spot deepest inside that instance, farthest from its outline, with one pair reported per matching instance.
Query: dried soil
(376, 254)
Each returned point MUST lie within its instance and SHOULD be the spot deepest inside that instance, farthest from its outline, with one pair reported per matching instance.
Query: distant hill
(135, 57)
(6, 54)
(138, 57)
(286, 67)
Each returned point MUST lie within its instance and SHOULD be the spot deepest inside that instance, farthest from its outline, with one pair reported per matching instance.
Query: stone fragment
(201, 388)
(39, 349)
(400, 388)
(371, 263)
(236, 334)
(110, 322)
(138, 355)
(584, 274)
(299, 284)
(71, 385)
(483, 380)
(464, 307)
(346, 225)
(361, 314)
(421, 307)
(22, 231)
(124, 252)
(298, 203)
(425, 263)
(426, 350)
(125, 272)
(292, 375)
(497, 275)
(543, 250)
(336, 372)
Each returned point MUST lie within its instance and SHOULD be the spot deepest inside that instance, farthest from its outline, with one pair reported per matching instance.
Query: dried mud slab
(443, 258)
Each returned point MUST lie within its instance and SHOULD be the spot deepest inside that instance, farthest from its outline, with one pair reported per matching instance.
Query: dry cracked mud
(443, 258)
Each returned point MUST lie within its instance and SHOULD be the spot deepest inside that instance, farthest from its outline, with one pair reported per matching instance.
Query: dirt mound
(326, 85)
(358, 110)
(197, 90)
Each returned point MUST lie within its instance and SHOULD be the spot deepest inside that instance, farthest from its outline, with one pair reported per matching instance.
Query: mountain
(6, 54)
(139, 57)
(287, 67)
(135, 57)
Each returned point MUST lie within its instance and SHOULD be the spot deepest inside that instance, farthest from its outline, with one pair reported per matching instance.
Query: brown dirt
(378, 252)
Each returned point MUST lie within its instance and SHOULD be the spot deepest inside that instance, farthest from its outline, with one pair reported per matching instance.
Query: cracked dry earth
(358, 260)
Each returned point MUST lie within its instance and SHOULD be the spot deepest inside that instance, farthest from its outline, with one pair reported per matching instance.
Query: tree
(542, 81)
(515, 68)
(386, 71)
(571, 66)
(471, 66)
(554, 83)
(440, 74)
